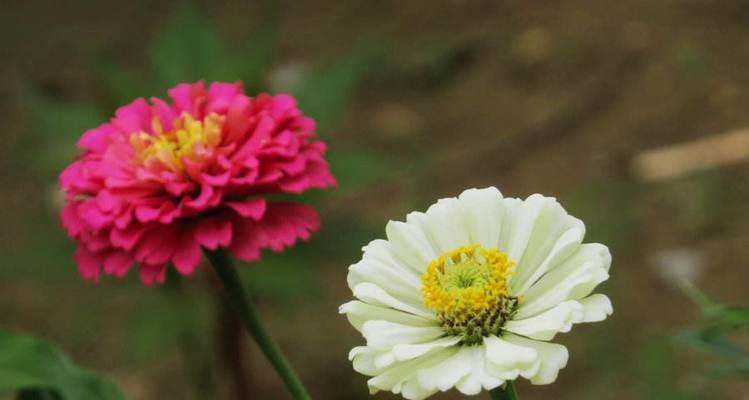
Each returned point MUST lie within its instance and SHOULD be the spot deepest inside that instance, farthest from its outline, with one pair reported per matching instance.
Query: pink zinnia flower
(160, 181)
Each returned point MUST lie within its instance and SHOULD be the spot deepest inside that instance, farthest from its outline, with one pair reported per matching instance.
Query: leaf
(281, 277)
(709, 343)
(326, 92)
(251, 61)
(187, 49)
(161, 324)
(190, 48)
(56, 127)
(37, 394)
(120, 86)
(28, 364)
(656, 364)
(354, 169)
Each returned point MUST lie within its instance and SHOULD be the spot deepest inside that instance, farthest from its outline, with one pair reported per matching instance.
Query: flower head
(469, 294)
(161, 180)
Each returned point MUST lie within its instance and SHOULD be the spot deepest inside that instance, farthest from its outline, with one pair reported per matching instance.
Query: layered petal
(193, 168)
(467, 295)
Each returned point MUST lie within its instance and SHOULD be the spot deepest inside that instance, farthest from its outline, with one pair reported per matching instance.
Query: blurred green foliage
(717, 335)
(608, 211)
(38, 371)
(657, 371)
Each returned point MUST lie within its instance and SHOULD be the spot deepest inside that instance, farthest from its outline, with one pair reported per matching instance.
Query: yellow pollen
(184, 141)
(467, 282)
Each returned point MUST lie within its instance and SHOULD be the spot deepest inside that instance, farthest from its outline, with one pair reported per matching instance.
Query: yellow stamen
(468, 283)
(170, 148)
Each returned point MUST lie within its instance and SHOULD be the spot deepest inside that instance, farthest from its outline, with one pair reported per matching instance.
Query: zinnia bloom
(469, 294)
(161, 180)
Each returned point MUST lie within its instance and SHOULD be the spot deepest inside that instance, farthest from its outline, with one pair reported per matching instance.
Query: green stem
(507, 392)
(237, 296)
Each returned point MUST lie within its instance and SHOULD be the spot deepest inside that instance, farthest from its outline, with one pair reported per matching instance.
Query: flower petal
(385, 334)
(479, 377)
(410, 245)
(519, 226)
(404, 352)
(597, 307)
(373, 294)
(484, 214)
(546, 325)
(507, 361)
(539, 259)
(405, 286)
(444, 225)
(446, 374)
(552, 357)
(572, 280)
(358, 313)
(401, 378)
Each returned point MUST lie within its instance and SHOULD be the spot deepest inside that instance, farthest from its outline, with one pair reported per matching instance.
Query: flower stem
(238, 298)
(507, 392)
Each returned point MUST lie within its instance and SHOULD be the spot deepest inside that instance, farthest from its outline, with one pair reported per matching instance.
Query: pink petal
(187, 254)
(253, 208)
(118, 263)
(214, 232)
(89, 264)
(150, 274)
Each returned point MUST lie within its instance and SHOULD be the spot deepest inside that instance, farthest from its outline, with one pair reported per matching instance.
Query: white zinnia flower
(469, 294)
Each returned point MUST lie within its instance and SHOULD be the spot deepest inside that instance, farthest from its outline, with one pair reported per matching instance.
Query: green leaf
(119, 85)
(327, 91)
(251, 61)
(160, 325)
(37, 394)
(710, 343)
(187, 49)
(281, 277)
(656, 365)
(56, 126)
(190, 48)
(355, 169)
(28, 364)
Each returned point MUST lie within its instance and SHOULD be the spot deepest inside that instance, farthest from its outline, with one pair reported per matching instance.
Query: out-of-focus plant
(717, 335)
(36, 370)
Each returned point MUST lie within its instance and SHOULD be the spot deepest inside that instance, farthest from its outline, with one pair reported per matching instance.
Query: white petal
(554, 235)
(544, 254)
(381, 250)
(444, 225)
(405, 286)
(401, 378)
(410, 245)
(507, 361)
(445, 375)
(363, 359)
(483, 215)
(596, 308)
(546, 325)
(405, 352)
(479, 378)
(413, 391)
(385, 335)
(373, 294)
(573, 279)
(359, 312)
(384, 360)
(522, 219)
(553, 357)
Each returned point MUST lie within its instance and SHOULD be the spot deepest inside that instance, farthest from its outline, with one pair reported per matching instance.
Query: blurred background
(632, 113)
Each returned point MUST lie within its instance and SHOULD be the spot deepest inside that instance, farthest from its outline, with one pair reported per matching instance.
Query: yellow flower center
(185, 141)
(467, 288)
